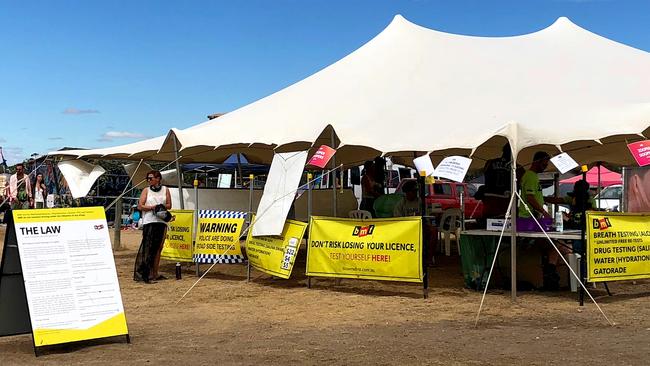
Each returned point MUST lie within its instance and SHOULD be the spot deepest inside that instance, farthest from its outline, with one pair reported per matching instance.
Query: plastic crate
(529, 224)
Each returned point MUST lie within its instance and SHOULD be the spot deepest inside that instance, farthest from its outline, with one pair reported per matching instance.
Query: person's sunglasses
(150, 178)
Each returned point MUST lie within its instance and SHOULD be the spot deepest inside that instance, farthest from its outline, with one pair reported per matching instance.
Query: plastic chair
(359, 214)
(450, 224)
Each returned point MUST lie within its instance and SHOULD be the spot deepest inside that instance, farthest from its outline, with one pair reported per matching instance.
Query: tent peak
(562, 24)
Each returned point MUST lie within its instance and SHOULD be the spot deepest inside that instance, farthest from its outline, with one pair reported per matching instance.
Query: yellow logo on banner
(618, 246)
(378, 249)
(276, 255)
(218, 236)
(178, 240)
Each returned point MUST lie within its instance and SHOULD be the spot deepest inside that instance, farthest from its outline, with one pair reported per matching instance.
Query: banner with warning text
(276, 255)
(618, 246)
(217, 237)
(377, 249)
(178, 240)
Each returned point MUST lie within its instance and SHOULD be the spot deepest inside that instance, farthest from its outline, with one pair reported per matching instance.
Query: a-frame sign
(51, 262)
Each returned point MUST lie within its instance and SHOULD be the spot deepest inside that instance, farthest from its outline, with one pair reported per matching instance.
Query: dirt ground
(227, 320)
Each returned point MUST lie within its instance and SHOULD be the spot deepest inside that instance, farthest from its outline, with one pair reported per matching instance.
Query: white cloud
(55, 138)
(2, 140)
(112, 135)
(79, 111)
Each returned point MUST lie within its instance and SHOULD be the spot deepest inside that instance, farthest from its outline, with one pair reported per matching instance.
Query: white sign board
(453, 168)
(80, 176)
(279, 192)
(424, 164)
(70, 278)
(563, 162)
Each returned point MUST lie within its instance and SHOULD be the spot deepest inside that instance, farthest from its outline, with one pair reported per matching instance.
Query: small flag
(322, 156)
(641, 152)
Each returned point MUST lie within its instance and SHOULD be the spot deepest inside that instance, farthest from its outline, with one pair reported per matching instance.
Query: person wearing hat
(154, 203)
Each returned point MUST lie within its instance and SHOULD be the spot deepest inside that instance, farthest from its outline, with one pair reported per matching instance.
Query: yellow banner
(276, 255)
(378, 249)
(618, 246)
(59, 214)
(178, 240)
(217, 237)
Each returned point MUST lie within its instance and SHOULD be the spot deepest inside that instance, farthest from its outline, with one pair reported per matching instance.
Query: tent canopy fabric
(412, 91)
(607, 177)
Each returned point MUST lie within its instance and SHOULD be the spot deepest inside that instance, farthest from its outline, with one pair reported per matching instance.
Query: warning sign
(378, 249)
(276, 255)
(217, 237)
(618, 246)
(178, 240)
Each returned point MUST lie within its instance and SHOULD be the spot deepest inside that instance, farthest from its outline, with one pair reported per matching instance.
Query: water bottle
(559, 222)
(178, 271)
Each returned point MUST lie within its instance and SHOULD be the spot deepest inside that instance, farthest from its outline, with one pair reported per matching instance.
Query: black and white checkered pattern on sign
(215, 214)
(215, 258)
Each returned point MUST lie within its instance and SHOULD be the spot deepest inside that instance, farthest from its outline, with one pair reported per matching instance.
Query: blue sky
(104, 73)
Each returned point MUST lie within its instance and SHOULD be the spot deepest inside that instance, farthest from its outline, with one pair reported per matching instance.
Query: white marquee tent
(412, 90)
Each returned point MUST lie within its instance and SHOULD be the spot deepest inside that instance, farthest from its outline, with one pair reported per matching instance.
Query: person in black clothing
(495, 194)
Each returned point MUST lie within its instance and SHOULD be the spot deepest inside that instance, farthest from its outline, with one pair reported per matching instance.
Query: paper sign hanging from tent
(80, 176)
(453, 168)
(137, 173)
(563, 162)
(424, 164)
(279, 192)
(322, 156)
(641, 152)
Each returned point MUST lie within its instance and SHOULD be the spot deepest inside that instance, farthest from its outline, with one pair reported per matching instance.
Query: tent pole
(117, 226)
(179, 174)
(195, 222)
(241, 176)
(513, 232)
(599, 184)
(334, 211)
(251, 179)
(309, 179)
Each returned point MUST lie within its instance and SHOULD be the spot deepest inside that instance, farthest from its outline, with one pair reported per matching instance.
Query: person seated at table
(409, 205)
(579, 200)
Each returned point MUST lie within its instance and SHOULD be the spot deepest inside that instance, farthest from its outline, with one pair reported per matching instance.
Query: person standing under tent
(531, 190)
(531, 193)
(154, 203)
(496, 191)
(39, 192)
(370, 189)
(19, 189)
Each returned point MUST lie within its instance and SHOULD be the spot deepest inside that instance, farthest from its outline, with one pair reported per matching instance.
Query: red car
(447, 194)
